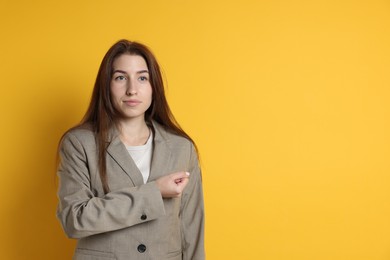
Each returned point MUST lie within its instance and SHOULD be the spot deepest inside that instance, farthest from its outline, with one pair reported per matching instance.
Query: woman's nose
(131, 88)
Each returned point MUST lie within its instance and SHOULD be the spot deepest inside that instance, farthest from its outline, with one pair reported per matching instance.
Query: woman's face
(131, 91)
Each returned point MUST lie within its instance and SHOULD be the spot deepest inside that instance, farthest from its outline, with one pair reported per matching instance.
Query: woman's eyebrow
(119, 71)
(124, 72)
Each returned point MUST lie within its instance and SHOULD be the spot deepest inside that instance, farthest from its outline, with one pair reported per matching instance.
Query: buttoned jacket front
(132, 221)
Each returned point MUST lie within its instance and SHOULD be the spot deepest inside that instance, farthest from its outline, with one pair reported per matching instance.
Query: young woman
(130, 183)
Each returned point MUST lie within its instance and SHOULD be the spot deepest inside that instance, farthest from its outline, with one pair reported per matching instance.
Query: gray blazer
(132, 221)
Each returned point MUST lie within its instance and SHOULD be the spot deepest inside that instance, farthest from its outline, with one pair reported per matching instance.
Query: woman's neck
(134, 132)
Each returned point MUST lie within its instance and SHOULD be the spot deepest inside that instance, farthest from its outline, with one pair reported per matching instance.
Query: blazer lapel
(117, 150)
(161, 153)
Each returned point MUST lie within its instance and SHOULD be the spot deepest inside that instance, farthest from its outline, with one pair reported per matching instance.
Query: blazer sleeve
(192, 213)
(82, 214)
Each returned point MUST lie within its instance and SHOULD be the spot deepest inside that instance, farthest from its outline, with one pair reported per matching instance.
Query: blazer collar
(161, 152)
(161, 155)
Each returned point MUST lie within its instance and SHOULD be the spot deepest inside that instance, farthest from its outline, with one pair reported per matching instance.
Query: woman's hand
(172, 185)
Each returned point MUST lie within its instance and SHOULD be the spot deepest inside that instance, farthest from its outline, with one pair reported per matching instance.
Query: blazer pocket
(86, 254)
(175, 255)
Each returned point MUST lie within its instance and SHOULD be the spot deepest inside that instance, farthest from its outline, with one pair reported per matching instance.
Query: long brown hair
(102, 115)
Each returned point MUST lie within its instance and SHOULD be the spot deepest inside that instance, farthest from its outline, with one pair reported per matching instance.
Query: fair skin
(131, 94)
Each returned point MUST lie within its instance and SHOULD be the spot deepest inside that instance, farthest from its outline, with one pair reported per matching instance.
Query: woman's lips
(132, 102)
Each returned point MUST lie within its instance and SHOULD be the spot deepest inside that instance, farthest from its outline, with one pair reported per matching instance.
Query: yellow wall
(289, 102)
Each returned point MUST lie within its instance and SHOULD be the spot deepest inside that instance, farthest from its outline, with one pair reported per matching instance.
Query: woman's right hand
(172, 185)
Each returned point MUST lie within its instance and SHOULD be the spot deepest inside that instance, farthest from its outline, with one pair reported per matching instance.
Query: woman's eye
(143, 78)
(120, 78)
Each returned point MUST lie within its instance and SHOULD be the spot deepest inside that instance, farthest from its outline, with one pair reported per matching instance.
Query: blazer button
(141, 248)
(143, 217)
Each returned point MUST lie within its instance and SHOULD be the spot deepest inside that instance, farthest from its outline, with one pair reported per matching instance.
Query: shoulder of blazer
(171, 139)
(86, 135)
(83, 134)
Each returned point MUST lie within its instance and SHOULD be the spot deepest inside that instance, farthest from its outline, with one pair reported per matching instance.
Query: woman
(130, 184)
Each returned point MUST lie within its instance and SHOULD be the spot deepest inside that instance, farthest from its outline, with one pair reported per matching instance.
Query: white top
(142, 156)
